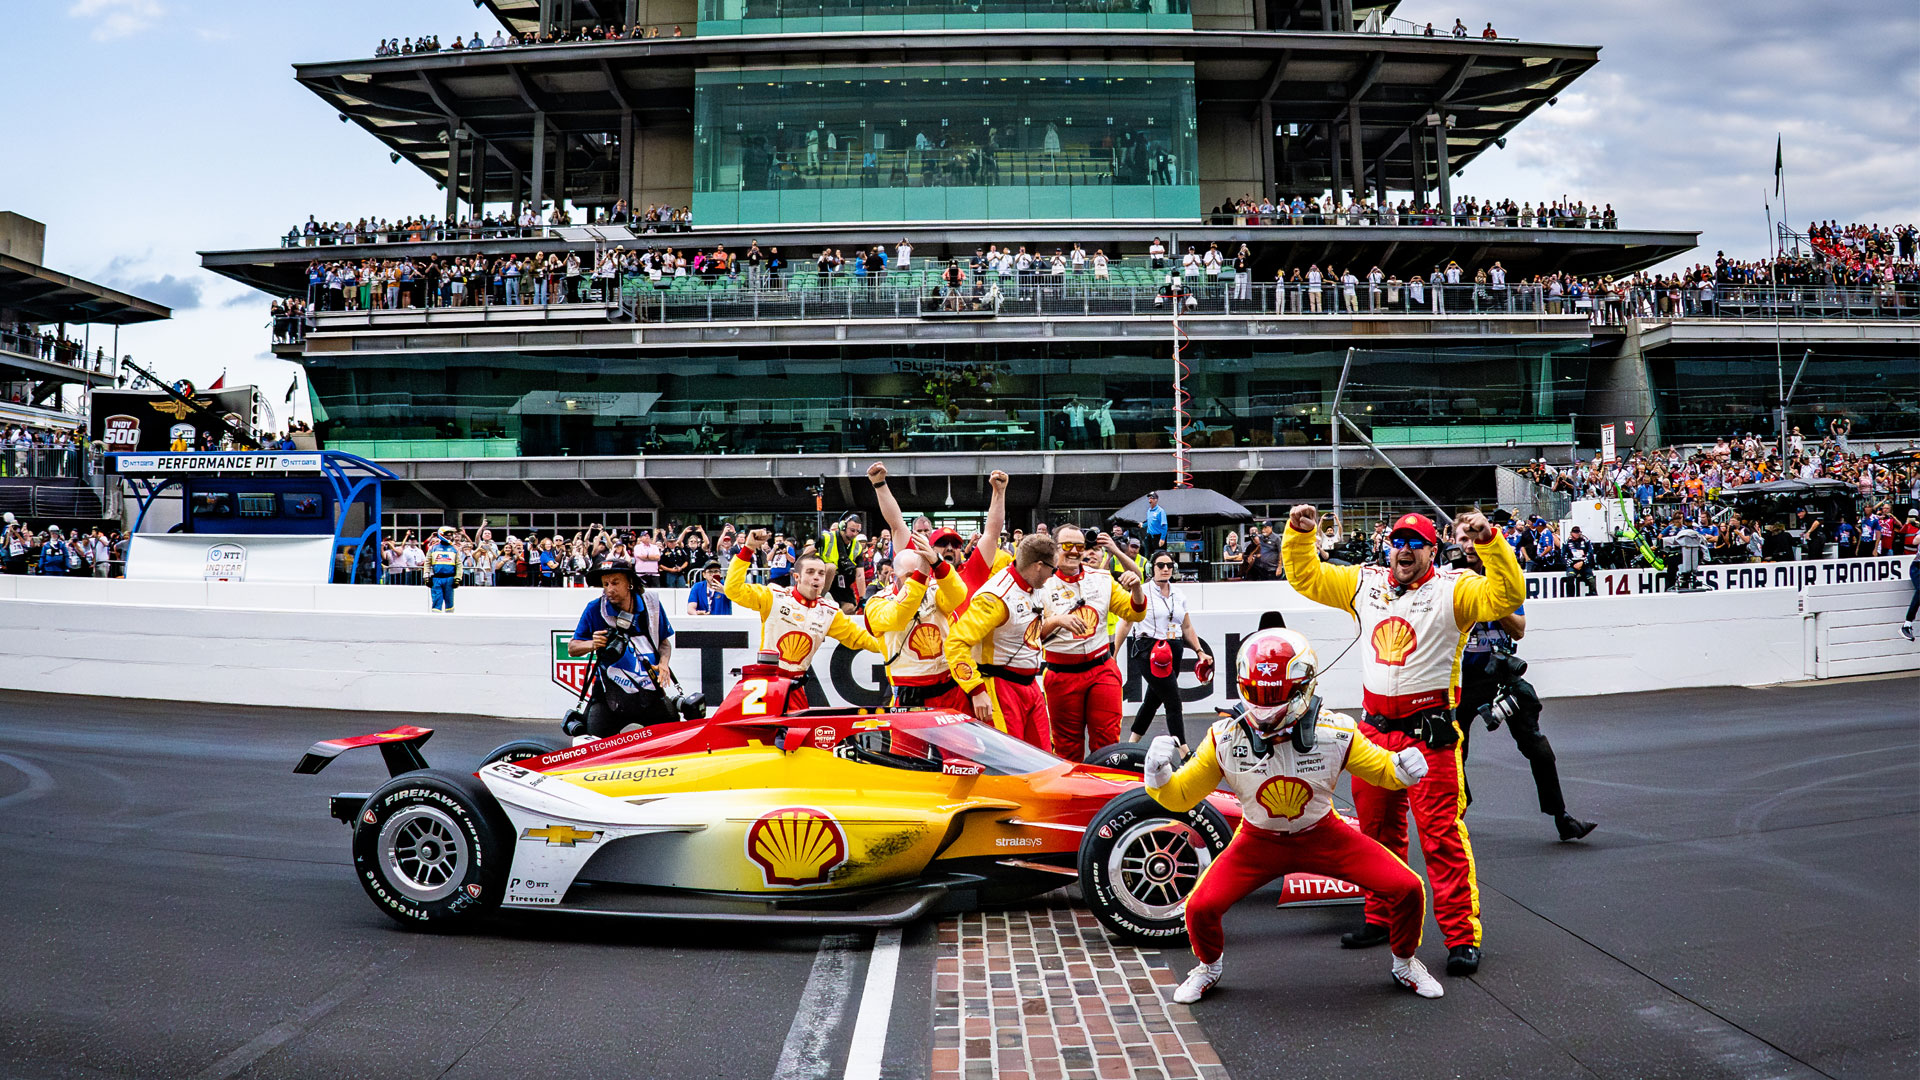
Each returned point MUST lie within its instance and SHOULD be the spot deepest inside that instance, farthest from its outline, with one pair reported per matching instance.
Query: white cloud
(117, 18)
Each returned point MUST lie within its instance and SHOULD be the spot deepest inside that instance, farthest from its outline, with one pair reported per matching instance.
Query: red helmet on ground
(1276, 668)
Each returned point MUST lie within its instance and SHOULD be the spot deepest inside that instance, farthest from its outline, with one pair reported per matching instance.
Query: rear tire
(431, 848)
(522, 749)
(1131, 756)
(1139, 860)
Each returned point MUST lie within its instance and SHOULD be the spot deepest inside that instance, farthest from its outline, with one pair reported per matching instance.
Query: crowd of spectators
(580, 35)
(1560, 213)
(35, 450)
(492, 225)
(41, 343)
(52, 552)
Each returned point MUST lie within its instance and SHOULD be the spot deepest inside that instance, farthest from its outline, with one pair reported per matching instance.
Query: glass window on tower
(1008, 142)
(834, 16)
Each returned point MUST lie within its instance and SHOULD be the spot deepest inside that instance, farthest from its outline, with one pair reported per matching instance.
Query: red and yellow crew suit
(1288, 825)
(911, 620)
(791, 625)
(996, 644)
(1083, 683)
(1412, 639)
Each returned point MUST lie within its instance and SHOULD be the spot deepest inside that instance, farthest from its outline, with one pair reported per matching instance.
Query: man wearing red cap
(1414, 620)
(1082, 682)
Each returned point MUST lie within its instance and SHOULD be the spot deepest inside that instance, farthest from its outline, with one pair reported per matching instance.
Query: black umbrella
(1189, 504)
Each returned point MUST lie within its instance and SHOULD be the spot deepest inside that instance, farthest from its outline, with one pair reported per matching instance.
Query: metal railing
(46, 462)
(1749, 302)
(436, 232)
(53, 350)
(1045, 296)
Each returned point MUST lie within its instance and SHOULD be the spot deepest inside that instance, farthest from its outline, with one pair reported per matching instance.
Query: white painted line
(869, 1048)
(804, 1057)
(38, 782)
(279, 1034)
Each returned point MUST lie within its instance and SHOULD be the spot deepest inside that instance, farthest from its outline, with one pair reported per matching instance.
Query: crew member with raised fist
(1083, 683)
(793, 618)
(1414, 618)
(994, 651)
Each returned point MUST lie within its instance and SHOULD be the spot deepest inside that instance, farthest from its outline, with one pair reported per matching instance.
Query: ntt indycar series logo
(1728, 577)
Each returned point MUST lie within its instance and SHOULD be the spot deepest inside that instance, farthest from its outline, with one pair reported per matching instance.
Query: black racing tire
(522, 749)
(1139, 860)
(1131, 756)
(432, 848)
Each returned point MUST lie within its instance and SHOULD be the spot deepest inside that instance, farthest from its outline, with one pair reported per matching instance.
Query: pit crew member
(1578, 551)
(1282, 757)
(793, 618)
(1413, 623)
(443, 569)
(1493, 690)
(627, 690)
(911, 618)
(993, 651)
(1083, 683)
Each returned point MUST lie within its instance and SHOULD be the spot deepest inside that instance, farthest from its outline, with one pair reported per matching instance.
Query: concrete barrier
(380, 648)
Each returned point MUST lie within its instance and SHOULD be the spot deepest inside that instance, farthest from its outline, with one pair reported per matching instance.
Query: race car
(761, 814)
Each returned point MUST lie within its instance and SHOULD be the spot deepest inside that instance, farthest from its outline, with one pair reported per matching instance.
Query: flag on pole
(1779, 165)
(291, 387)
(221, 381)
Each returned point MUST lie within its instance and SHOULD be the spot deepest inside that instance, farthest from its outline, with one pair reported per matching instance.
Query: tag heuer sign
(569, 672)
(227, 562)
(122, 433)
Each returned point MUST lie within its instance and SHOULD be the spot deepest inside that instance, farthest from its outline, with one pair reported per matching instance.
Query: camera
(1504, 667)
(1516, 696)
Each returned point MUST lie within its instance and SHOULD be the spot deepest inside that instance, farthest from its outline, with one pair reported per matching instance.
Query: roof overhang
(41, 295)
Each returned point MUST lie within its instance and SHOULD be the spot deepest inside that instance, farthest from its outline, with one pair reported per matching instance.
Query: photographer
(632, 640)
(1493, 691)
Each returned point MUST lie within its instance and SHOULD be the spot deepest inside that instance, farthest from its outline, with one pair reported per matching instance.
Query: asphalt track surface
(177, 904)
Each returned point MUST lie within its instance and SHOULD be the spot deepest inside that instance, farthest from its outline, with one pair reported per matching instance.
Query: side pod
(399, 747)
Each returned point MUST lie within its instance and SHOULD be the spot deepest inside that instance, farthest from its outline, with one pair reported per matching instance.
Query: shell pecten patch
(796, 845)
(794, 646)
(926, 641)
(1284, 796)
(1393, 641)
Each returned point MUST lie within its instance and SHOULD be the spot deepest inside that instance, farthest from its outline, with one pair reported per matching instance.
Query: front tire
(1140, 860)
(431, 848)
(1131, 756)
(522, 749)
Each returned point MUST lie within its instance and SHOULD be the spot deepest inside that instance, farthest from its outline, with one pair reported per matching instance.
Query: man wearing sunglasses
(1414, 619)
(1083, 685)
(994, 650)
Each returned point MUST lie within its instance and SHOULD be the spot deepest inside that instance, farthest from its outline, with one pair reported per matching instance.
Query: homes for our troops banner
(1727, 577)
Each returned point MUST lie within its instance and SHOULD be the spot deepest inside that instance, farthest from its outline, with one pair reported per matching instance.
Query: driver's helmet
(1277, 672)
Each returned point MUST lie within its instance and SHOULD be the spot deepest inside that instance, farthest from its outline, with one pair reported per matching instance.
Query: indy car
(815, 816)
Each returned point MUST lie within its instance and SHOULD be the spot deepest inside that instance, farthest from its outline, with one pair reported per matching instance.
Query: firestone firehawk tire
(1131, 756)
(432, 849)
(1139, 860)
(522, 749)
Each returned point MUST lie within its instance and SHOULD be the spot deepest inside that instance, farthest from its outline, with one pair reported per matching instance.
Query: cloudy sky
(160, 128)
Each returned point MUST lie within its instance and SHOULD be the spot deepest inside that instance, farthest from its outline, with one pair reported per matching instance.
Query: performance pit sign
(1729, 577)
(215, 463)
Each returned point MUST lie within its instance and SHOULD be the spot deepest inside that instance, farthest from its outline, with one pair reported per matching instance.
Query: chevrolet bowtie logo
(564, 835)
(870, 725)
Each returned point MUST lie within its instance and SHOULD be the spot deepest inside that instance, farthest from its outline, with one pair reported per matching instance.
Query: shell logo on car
(794, 646)
(926, 641)
(1284, 796)
(796, 845)
(1393, 641)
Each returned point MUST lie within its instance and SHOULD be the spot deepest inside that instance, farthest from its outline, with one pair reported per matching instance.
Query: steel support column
(626, 153)
(1353, 148)
(1443, 157)
(453, 171)
(1333, 159)
(539, 161)
(559, 169)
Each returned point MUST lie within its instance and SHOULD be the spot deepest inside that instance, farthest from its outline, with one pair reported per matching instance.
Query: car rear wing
(400, 748)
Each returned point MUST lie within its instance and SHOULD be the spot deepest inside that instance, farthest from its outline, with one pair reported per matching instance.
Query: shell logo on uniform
(796, 845)
(964, 671)
(1031, 636)
(1393, 641)
(1284, 796)
(926, 641)
(1085, 619)
(794, 646)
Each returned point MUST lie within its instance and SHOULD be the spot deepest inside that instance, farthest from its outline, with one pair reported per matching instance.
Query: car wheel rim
(1154, 865)
(424, 853)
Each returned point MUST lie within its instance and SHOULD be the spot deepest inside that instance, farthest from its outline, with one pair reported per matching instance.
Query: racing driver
(1414, 619)
(1282, 757)
(793, 618)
